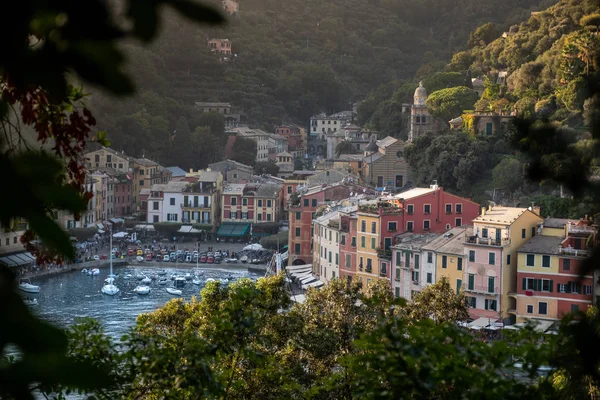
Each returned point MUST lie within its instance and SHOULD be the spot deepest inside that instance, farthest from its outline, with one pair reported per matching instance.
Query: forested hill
(292, 58)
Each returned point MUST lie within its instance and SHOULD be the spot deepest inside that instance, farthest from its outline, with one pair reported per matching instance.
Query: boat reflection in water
(69, 296)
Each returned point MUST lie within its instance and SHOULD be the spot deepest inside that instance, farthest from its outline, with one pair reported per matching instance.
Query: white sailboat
(26, 286)
(110, 288)
(142, 289)
(174, 291)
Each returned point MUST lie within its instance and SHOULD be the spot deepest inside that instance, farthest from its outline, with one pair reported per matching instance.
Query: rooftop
(269, 190)
(234, 188)
(415, 240)
(386, 142)
(541, 244)
(109, 150)
(210, 104)
(229, 165)
(501, 215)
(145, 162)
(412, 193)
(456, 239)
(245, 131)
(171, 187)
(284, 154)
(435, 244)
(275, 136)
(555, 222)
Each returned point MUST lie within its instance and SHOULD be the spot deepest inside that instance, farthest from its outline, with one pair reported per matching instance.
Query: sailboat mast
(110, 250)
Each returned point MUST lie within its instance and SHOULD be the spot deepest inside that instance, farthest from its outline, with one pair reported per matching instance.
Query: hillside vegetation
(292, 59)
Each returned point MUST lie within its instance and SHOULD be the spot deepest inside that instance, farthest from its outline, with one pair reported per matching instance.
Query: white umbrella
(254, 246)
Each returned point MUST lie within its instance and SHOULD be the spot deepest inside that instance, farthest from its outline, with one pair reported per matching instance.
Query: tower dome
(372, 147)
(420, 95)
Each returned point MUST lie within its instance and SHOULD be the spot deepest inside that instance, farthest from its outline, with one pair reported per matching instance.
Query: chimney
(490, 207)
(483, 211)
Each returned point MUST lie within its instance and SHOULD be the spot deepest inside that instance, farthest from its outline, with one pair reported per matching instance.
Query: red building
(123, 195)
(348, 246)
(293, 135)
(302, 212)
(432, 210)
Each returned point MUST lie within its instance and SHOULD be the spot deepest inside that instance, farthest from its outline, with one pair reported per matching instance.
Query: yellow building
(145, 174)
(202, 201)
(107, 158)
(450, 257)
(367, 237)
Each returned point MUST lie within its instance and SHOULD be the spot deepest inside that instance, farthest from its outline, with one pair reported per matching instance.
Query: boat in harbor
(173, 291)
(109, 289)
(188, 277)
(30, 301)
(163, 281)
(196, 281)
(162, 272)
(128, 276)
(26, 286)
(142, 289)
(231, 260)
(210, 280)
(244, 259)
(109, 280)
(93, 272)
(146, 280)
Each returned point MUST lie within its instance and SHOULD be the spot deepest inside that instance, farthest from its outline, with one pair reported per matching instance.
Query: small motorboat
(109, 281)
(139, 258)
(142, 289)
(94, 272)
(146, 280)
(173, 291)
(196, 281)
(163, 281)
(84, 271)
(256, 261)
(128, 276)
(26, 286)
(110, 289)
(188, 277)
(244, 259)
(231, 260)
(210, 259)
(140, 277)
(210, 280)
(162, 272)
(29, 301)
(154, 277)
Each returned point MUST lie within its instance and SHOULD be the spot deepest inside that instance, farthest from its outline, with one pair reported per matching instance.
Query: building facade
(326, 239)
(232, 171)
(260, 137)
(384, 165)
(146, 173)
(420, 119)
(107, 158)
(409, 272)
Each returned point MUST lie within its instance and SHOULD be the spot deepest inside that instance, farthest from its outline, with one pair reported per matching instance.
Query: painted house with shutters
(450, 256)
(548, 275)
(490, 272)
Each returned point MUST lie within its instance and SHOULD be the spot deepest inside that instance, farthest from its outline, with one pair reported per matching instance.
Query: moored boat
(142, 289)
(173, 291)
(26, 286)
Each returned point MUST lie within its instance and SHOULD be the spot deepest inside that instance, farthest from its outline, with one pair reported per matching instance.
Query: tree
(244, 151)
(167, 229)
(483, 35)
(266, 167)
(438, 302)
(443, 80)
(508, 174)
(298, 164)
(344, 147)
(450, 103)
(591, 20)
(82, 234)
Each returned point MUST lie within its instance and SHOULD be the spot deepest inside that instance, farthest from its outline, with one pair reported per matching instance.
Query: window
(259, 216)
(397, 292)
(244, 215)
(269, 203)
(528, 284)
(444, 262)
(492, 258)
(363, 241)
(369, 265)
(458, 285)
(542, 308)
(289, 190)
(235, 176)
(314, 202)
(297, 232)
(329, 259)
(392, 226)
(427, 208)
(363, 226)
(409, 226)
(353, 244)
(417, 261)
(448, 208)
(472, 302)
(337, 259)
(491, 305)
(426, 225)
(410, 209)
(561, 288)
(297, 248)
(587, 289)
(330, 236)
(373, 244)
(574, 308)
(459, 208)
(260, 203)
(523, 233)
(383, 270)
(155, 218)
(530, 260)
(373, 227)
(245, 203)
(155, 205)
(97, 157)
(508, 259)
(484, 233)
(306, 202)
(429, 257)
(546, 285)
(458, 222)
(343, 241)
(429, 277)
(567, 264)
(471, 255)
(234, 201)
(575, 287)
(546, 261)
(387, 243)
(459, 265)
(491, 281)
(529, 308)
(471, 282)
(348, 261)
(141, 182)
(298, 214)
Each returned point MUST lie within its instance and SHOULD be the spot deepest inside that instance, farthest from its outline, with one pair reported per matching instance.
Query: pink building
(123, 197)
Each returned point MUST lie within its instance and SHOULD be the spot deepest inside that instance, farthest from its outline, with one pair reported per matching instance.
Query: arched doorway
(298, 262)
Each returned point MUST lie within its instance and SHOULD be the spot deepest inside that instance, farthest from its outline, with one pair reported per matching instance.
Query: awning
(482, 322)
(298, 267)
(315, 284)
(17, 260)
(230, 229)
(148, 227)
(117, 220)
(120, 235)
(100, 226)
(542, 325)
(299, 298)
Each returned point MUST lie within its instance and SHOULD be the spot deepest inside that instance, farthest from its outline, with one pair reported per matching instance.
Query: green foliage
(443, 80)
(508, 174)
(244, 151)
(483, 35)
(446, 104)
(438, 302)
(272, 242)
(266, 167)
(344, 147)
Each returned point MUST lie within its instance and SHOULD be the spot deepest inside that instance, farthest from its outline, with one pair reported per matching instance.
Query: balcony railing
(482, 289)
(196, 221)
(569, 251)
(487, 241)
(193, 205)
(384, 253)
(369, 268)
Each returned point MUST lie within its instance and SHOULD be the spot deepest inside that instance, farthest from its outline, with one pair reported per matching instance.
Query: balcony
(569, 251)
(512, 294)
(369, 269)
(512, 311)
(384, 253)
(482, 289)
(192, 205)
(487, 241)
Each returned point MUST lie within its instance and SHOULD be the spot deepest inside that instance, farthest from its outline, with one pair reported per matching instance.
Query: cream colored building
(326, 246)
(384, 164)
(260, 137)
(107, 158)
(145, 174)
